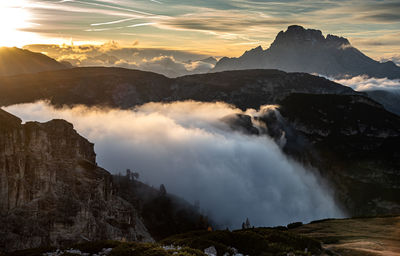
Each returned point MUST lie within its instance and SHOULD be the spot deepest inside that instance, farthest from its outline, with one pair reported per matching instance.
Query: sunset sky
(215, 27)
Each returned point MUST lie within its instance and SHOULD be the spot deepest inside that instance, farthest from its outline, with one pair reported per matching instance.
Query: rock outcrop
(53, 193)
(306, 50)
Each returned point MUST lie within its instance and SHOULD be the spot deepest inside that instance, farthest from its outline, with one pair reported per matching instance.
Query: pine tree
(247, 224)
(128, 173)
(163, 190)
(134, 176)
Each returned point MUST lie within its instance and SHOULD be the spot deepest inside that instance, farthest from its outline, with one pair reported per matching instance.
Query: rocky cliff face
(306, 50)
(390, 99)
(353, 142)
(52, 192)
(350, 140)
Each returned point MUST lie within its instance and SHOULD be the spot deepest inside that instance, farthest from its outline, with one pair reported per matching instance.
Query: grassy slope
(345, 237)
(358, 236)
(255, 242)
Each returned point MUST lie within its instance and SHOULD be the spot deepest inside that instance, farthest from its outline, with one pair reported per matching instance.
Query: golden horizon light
(14, 17)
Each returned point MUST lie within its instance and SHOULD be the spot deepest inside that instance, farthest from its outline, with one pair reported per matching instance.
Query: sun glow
(14, 18)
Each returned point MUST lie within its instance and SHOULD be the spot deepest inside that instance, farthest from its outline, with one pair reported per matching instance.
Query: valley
(199, 128)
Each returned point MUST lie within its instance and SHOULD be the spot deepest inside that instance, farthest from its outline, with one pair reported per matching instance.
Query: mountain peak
(14, 61)
(254, 52)
(297, 34)
(299, 49)
(337, 40)
(258, 49)
(295, 28)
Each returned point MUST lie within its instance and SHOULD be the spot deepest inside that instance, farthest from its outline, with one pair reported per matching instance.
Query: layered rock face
(306, 50)
(52, 192)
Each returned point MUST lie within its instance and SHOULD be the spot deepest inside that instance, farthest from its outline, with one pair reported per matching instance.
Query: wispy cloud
(140, 24)
(218, 25)
(113, 7)
(112, 22)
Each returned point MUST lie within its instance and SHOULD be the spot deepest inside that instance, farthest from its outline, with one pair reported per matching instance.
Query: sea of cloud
(187, 147)
(365, 83)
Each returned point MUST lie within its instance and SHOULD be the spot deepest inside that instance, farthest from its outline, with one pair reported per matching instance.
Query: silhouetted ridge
(307, 50)
(18, 61)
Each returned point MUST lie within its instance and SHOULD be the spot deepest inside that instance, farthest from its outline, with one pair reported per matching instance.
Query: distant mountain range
(306, 50)
(351, 139)
(18, 61)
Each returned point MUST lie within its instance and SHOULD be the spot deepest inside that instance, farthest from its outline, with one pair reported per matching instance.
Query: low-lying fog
(185, 146)
(365, 83)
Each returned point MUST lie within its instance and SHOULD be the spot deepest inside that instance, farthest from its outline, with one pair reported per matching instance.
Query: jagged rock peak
(296, 34)
(257, 49)
(254, 52)
(337, 40)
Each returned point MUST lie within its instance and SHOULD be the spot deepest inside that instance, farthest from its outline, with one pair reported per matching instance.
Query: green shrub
(257, 241)
(95, 246)
(294, 225)
(32, 252)
(147, 249)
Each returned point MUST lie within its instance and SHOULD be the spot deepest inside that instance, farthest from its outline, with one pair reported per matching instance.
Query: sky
(213, 27)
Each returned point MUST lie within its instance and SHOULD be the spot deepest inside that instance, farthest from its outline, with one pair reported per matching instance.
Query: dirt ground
(378, 236)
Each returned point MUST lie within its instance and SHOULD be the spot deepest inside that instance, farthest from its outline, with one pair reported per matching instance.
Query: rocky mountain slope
(353, 141)
(18, 61)
(306, 50)
(349, 140)
(348, 137)
(123, 88)
(52, 191)
(390, 99)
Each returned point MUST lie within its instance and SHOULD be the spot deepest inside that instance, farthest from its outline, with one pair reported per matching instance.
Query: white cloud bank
(185, 146)
(365, 83)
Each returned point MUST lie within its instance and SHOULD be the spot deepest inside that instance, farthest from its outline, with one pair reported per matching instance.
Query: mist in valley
(365, 83)
(187, 147)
